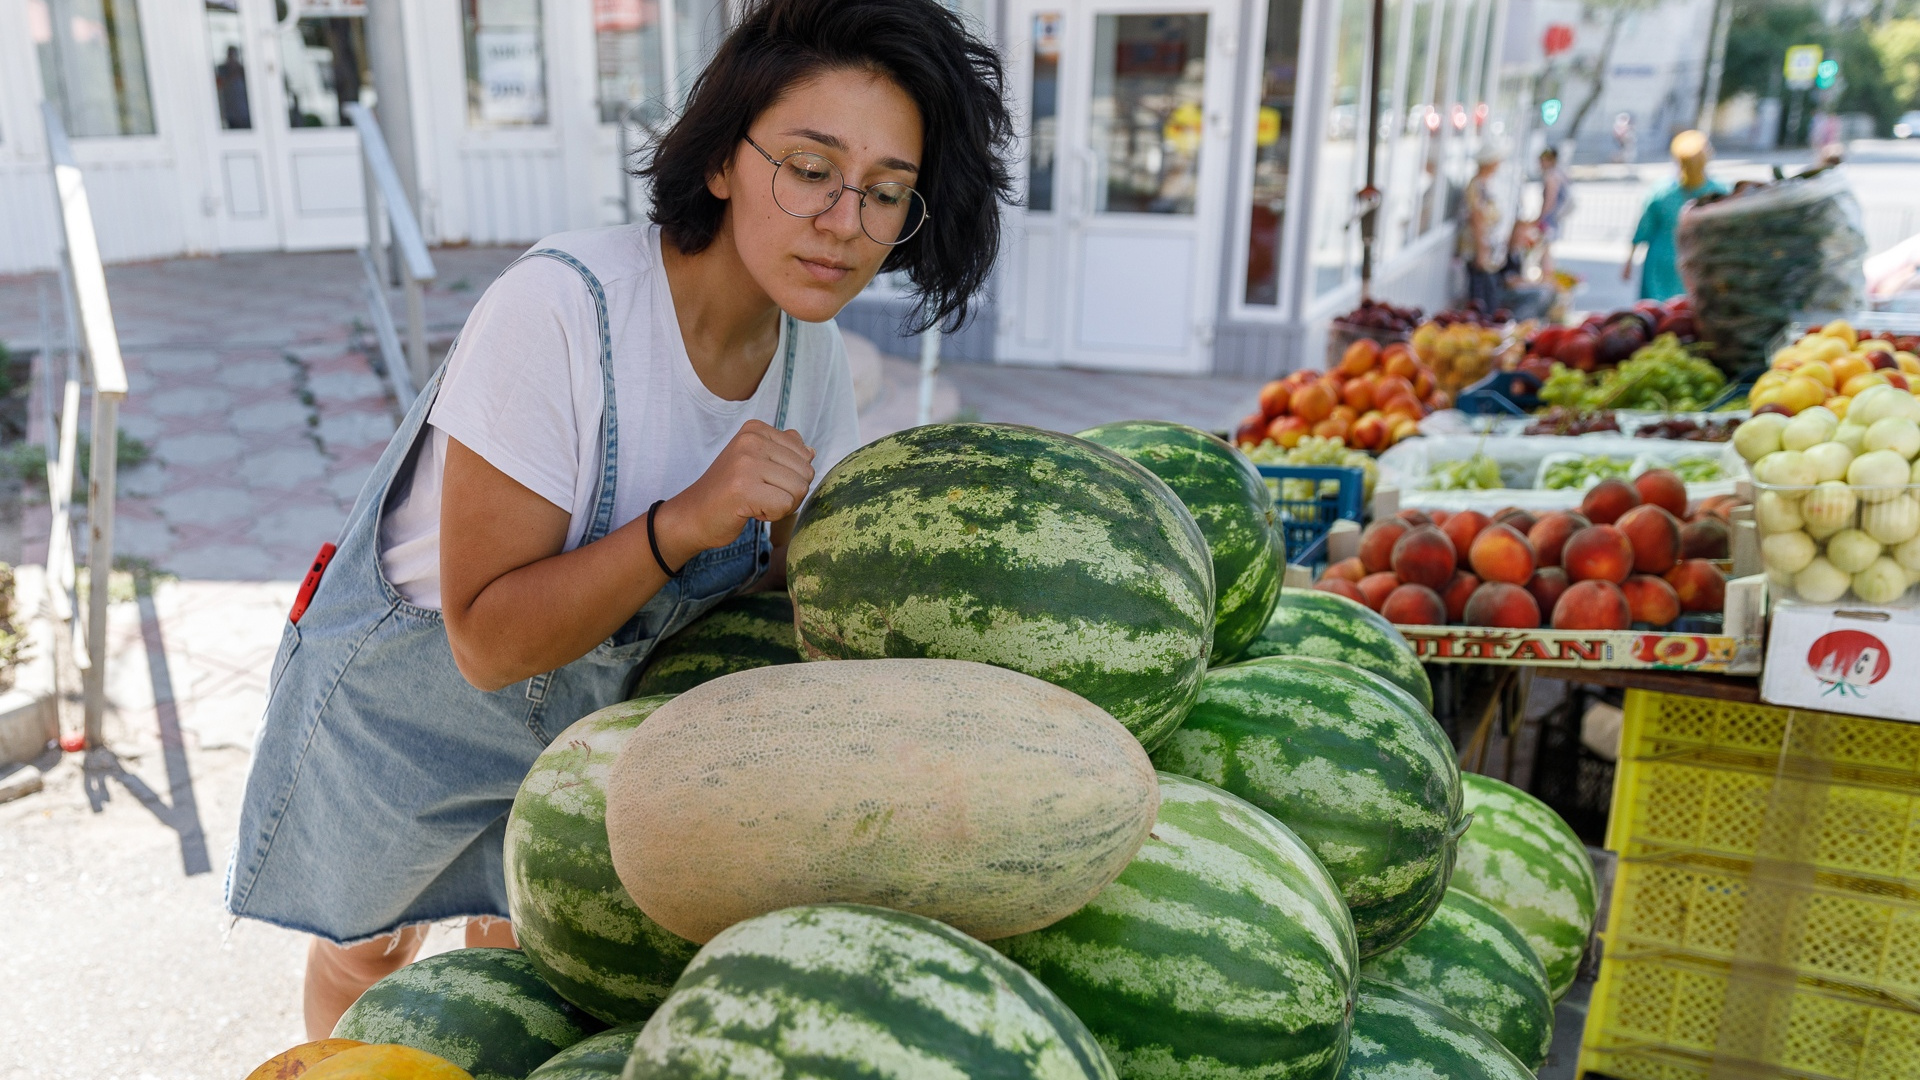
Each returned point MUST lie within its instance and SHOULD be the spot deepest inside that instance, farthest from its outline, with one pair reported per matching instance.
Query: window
(227, 45)
(506, 63)
(627, 55)
(698, 28)
(1272, 145)
(324, 66)
(1439, 196)
(93, 67)
(1146, 123)
(1336, 236)
(1043, 131)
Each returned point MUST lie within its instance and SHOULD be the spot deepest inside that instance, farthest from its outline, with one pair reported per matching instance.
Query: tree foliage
(1763, 30)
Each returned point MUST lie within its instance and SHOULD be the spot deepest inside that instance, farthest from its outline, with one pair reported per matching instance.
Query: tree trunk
(1601, 64)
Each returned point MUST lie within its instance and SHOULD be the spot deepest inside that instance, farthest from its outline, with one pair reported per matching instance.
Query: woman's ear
(720, 184)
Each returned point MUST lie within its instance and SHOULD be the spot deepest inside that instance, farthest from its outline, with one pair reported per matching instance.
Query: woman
(597, 464)
(1484, 240)
(1660, 273)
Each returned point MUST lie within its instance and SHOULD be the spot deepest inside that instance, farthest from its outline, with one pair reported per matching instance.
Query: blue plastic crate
(1305, 522)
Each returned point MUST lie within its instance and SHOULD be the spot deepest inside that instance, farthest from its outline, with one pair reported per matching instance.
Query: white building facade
(1188, 177)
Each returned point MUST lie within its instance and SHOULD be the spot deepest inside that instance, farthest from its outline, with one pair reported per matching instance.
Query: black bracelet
(654, 543)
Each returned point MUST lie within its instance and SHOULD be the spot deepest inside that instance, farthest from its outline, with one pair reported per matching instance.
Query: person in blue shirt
(1659, 274)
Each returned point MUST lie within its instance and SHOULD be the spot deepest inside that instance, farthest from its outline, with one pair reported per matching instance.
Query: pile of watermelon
(1271, 863)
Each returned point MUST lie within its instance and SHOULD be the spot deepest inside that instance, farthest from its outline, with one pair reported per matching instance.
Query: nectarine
(1500, 553)
(1424, 556)
(1592, 605)
(1597, 553)
(1500, 603)
(1414, 605)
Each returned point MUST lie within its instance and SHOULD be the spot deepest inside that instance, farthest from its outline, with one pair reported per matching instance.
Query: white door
(1114, 261)
(321, 50)
(241, 193)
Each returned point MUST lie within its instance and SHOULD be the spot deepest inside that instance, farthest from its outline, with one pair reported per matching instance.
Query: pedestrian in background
(1556, 201)
(1660, 274)
(1485, 241)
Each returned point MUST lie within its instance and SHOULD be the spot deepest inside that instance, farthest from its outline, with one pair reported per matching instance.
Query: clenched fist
(761, 475)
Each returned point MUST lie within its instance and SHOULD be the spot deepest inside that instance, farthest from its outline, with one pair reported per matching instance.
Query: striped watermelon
(1230, 502)
(1526, 862)
(1472, 960)
(1307, 622)
(573, 917)
(1012, 546)
(1347, 760)
(486, 1010)
(1399, 1035)
(742, 632)
(597, 1057)
(1223, 950)
(847, 990)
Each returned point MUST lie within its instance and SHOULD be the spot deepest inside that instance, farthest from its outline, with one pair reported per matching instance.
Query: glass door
(242, 199)
(321, 46)
(1117, 264)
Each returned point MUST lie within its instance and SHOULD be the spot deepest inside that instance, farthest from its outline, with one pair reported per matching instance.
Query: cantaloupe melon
(289, 1064)
(975, 795)
(386, 1061)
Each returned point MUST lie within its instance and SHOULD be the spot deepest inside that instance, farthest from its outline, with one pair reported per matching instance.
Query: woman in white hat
(1485, 241)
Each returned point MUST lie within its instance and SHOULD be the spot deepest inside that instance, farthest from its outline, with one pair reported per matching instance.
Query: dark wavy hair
(954, 78)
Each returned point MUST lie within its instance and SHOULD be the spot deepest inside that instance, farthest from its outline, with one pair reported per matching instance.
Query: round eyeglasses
(806, 185)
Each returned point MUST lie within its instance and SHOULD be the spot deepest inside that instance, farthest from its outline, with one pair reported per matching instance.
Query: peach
(1397, 359)
(1358, 393)
(1706, 538)
(1340, 587)
(1274, 397)
(1501, 553)
(1424, 556)
(1331, 428)
(1350, 568)
(1414, 517)
(1500, 603)
(1360, 357)
(1459, 588)
(1606, 500)
(1699, 584)
(1439, 517)
(1390, 387)
(1655, 536)
(1376, 543)
(1462, 527)
(1592, 605)
(1312, 402)
(1650, 600)
(1346, 413)
(1546, 585)
(1370, 432)
(1550, 533)
(1516, 517)
(1414, 605)
(1288, 430)
(1375, 587)
(1597, 553)
(1663, 488)
(1250, 432)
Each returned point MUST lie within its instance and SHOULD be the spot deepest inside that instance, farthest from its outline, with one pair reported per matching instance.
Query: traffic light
(1550, 111)
(1825, 74)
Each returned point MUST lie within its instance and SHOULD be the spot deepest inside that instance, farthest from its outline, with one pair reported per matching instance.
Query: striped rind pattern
(1471, 959)
(1011, 546)
(740, 633)
(1347, 760)
(1307, 622)
(1524, 860)
(847, 990)
(573, 918)
(1223, 951)
(1399, 1035)
(597, 1057)
(486, 1010)
(1231, 504)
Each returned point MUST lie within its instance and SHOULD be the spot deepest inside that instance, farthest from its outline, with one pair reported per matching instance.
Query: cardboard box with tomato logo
(1859, 660)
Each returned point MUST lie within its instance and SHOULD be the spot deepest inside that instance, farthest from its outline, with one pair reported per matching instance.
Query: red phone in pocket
(311, 582)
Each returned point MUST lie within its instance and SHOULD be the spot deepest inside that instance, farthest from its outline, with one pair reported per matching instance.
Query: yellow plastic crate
(1657, 724)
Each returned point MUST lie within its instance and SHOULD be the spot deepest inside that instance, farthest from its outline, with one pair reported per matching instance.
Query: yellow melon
(296, 1062)
(386, 1061)
(975, 795)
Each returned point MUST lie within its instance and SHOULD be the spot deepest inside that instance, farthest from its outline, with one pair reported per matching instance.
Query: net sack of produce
(1753, 260)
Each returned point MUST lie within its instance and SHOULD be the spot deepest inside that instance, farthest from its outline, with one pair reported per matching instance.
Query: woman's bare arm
(516, 605)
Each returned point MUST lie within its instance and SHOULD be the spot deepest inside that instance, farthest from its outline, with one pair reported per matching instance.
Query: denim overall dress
(381, 781)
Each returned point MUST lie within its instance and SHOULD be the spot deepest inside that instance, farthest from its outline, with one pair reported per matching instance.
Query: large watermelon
(1520, 857)
(574, 919)
(1348, 761)
(1399, 1035)
(847, 990)
(597, 1057)
(486, 1010)
(1231, 504)
(1223, 950)
(1012, 546)
(1471, 959)
(1307, 622)
(743, 632)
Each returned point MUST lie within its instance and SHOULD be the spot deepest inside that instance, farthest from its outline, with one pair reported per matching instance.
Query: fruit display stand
(1765, 918)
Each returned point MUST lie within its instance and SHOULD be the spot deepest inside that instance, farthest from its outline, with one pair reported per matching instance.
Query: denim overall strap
(602, 521)
(786, 370)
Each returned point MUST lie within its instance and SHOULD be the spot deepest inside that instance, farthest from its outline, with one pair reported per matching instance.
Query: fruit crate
(1662, 1019)
(1305, 522)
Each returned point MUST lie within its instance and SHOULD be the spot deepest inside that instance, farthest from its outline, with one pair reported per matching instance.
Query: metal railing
(412, 270)
(90, 333)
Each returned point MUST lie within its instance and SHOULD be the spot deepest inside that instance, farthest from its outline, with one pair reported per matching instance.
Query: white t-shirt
(523, 389)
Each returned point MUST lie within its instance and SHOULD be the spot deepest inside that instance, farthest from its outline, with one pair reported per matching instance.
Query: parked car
(1908, 126)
